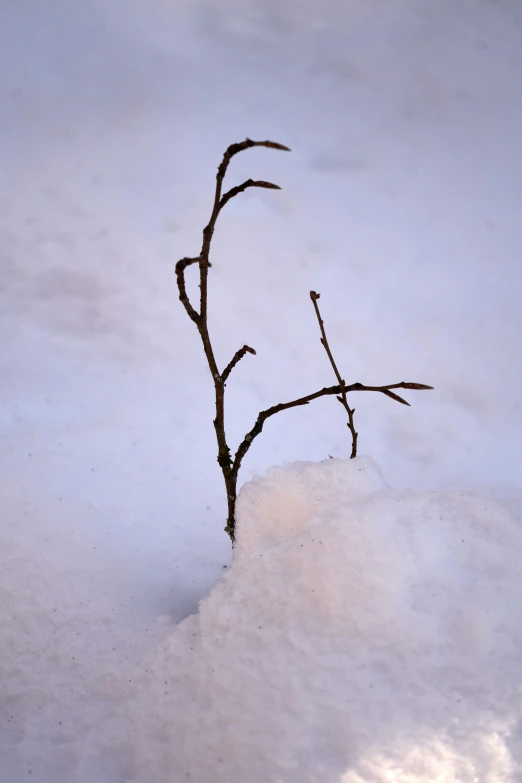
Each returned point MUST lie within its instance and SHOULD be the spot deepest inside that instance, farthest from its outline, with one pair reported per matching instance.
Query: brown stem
(208, 231)
(230, 468)
(235, 359)
(200, 319)
(183, 296)
(314, 296)
(250, 183)
(327, 390)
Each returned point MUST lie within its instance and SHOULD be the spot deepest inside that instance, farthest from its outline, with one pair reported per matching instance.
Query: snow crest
(361, 634)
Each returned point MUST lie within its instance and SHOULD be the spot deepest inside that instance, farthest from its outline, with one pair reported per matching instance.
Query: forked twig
(200, 318)
(235, 359)
(326, 391)
(314, 296)
(230, 466)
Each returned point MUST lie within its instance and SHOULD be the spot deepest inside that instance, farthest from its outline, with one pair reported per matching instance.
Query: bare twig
(250, 183)
(235, 359)
(314, 296)
(180, 276)
(200, 318)
(230, 466)
(208, 231)
(326, 391)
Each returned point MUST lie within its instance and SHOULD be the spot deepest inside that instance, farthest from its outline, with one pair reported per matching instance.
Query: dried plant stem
(200, 318)
(326, 391)
(314, 296)
(230, 466)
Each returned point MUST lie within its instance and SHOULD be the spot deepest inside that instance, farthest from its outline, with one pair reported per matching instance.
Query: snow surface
(399, 203)
(361, 634)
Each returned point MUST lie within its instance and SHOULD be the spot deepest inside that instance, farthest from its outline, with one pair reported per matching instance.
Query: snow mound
(361, 634)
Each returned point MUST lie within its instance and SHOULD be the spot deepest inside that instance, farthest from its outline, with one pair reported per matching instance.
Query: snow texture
(400, 204)
(361, 634)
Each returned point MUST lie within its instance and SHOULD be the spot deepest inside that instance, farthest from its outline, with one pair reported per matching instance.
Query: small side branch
(325, 392)
(235, 359)
(314, 296)
(180, 277)
(200, 317)
(233, 149)
(220, 201)
(249, 183)
(386, 389)
(264, 415)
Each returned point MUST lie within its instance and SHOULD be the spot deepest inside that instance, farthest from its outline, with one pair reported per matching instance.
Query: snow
(399, 203)
(361, 633)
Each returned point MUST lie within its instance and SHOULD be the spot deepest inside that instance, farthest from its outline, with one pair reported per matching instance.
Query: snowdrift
(361, 634)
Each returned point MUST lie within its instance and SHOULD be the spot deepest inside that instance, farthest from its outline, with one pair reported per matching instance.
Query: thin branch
(264, 415)
(229, 467)
(386, 389)
(200, 318)
(183, 296)
(314, 296)
(235, 359)
(208, 231)
(233, 149)
(250, 183)
(326, 391)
